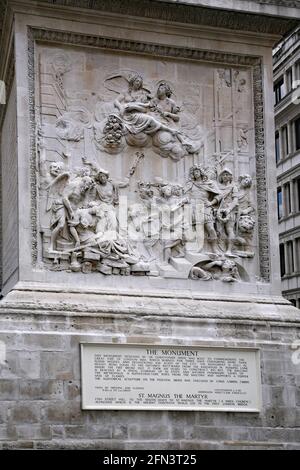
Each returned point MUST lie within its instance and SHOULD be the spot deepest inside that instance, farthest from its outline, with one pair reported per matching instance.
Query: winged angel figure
(139, 118)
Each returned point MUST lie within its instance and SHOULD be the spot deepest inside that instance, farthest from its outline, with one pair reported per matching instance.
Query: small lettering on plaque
(170, 378)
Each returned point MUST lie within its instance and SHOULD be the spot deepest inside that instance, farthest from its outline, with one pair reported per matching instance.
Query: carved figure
(144, 120)
(172, 222)
(242, 140)
(224, 270)
(164, 105)
(203, 193)
(245, 217)
(227, 209)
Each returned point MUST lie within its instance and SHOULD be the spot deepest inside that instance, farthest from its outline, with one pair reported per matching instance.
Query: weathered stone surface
(46, 411)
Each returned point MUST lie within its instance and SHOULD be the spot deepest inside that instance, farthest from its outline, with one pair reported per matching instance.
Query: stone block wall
(40, 388)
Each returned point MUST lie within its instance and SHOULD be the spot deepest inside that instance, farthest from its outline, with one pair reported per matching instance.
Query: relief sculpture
(140, 119)
(106, 207)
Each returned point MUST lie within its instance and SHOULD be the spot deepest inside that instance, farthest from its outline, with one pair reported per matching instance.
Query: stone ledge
(38, 300)
(145, 445)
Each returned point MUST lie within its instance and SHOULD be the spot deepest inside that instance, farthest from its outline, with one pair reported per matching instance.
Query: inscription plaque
(148, 377)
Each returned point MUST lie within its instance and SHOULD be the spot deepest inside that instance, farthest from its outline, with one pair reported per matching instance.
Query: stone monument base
(40, 333)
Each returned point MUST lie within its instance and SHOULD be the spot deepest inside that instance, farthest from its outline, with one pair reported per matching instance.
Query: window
(297, 133)
(279, 203)
(297, 77)
(290, 256)
(297, 260)
(289, 80)
(287, 199)
(297, 187)
(293, 302)
(296, 194)
(278, 90)
(277, 147)
(282, 259)
(285, 140)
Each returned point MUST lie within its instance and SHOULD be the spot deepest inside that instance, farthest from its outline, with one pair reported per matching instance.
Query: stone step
(169, 271)
(182, 265)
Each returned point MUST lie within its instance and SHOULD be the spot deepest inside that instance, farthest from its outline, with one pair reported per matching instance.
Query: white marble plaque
(148, 377)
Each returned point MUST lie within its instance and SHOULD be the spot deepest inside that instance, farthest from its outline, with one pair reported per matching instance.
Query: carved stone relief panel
(146, 166)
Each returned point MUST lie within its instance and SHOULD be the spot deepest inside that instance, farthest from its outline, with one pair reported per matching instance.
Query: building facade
(287, 154)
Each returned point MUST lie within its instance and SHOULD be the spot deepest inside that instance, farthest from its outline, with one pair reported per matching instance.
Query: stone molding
(151, 306)
(284, 3)
(186, 13)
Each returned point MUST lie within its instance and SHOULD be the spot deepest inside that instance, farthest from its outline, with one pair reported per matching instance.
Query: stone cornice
(189, 12)
(284, 3)
(243, 5)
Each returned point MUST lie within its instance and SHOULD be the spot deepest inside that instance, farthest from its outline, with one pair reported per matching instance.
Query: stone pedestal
(138, 206)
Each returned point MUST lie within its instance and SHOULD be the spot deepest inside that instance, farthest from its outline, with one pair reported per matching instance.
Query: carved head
(166, 191)
(145, 190)
(177, 190)
(102, 176)
(198, 173)
(245, 181)
(56, 168)
(135, 82)
(86, 184)
(164, 90)
(225, 176)
(246, 224)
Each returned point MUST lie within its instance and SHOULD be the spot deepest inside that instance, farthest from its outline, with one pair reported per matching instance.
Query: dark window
(297, 133)
(298, 194)
(277, 147)
(287, 198)
(294, 302)
(278, 91)
(279, 203)
(282, 259)
(297, 253)
(290, 254)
